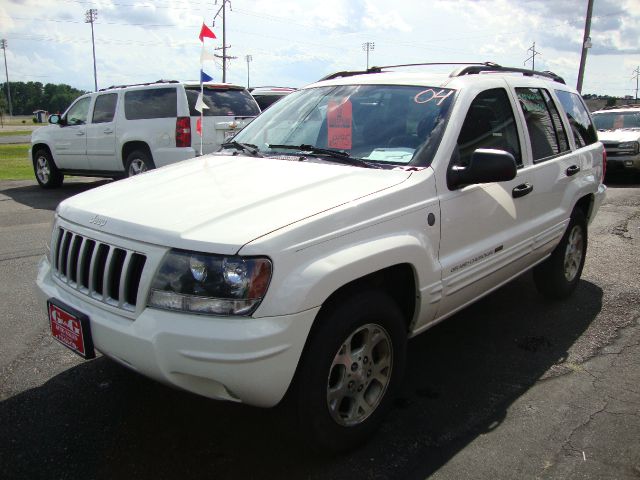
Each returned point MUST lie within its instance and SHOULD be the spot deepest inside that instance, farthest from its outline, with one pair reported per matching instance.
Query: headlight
(210, 284)
(632, 147)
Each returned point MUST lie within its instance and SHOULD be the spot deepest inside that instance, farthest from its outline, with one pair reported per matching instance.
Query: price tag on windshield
(339, 117)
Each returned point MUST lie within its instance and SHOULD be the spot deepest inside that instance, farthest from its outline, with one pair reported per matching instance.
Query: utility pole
(3, 45)
(534, 52)
(91, 16)
(586, 45)
(368, 46)
(637, 74)
(248, 58)
(224, 47)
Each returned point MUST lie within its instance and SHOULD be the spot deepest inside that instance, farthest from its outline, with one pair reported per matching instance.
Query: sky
(294, 43)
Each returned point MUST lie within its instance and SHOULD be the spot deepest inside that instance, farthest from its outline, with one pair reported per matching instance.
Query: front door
(486, 228)
(70, 142)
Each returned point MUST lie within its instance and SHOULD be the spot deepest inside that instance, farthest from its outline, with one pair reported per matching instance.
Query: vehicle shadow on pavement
(39, 198)
(99, 420)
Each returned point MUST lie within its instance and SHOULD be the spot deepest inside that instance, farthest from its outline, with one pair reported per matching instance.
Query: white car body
(322, 226)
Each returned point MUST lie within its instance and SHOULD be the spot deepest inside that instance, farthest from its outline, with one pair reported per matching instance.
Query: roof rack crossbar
(493, 67)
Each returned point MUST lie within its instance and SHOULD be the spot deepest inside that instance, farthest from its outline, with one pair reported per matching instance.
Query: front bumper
(616, 163)
(250, 360)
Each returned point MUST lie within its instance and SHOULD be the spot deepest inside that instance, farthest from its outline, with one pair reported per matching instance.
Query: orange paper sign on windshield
(339, 124)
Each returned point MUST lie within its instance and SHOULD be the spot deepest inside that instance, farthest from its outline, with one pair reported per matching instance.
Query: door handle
(572, 170)
(521, 190)
(108, 130)
(80, 133)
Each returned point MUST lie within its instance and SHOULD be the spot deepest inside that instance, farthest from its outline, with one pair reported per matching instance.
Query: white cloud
(296, 42)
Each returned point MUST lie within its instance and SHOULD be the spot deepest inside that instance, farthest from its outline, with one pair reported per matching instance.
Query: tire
(47, 174)
(138, 161)
(558, 276)
(355, 354)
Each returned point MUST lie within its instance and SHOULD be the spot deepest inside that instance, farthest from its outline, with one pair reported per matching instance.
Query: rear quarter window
(151, 103)
(582, 127)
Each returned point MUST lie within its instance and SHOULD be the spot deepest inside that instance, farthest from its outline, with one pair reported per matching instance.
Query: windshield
(381, 124)
(616, 120)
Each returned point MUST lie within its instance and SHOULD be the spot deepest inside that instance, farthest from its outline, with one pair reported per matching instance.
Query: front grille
(101, 271)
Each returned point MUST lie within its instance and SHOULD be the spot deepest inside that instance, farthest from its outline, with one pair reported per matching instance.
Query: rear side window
(546, 132)
(151, 103)
(105, 108)
(489, 123)
(583, 130)
(223, 102)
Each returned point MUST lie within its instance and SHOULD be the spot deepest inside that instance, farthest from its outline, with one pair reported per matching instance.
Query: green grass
(15, 163)
(11, 133)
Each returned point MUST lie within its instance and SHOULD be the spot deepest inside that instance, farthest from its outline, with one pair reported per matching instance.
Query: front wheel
(558, 276)
(351, 370)
(138, 162)
(47, 174)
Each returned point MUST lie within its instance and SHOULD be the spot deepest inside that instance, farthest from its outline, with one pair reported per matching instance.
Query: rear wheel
(47, 174)
(558, 276)
(138, 162)
(351, 370)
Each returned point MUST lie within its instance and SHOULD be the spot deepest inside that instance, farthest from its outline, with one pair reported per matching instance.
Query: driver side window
(77, 114)
(489, 123)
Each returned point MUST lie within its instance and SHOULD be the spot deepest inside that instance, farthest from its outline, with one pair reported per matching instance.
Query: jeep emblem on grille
(98, 220)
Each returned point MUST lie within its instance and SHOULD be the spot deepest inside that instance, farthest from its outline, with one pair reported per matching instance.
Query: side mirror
(54, 119)
(486, 166)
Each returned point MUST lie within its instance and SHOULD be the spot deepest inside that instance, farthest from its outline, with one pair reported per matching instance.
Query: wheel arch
(586, 204)
(38, 146)
(133, 145)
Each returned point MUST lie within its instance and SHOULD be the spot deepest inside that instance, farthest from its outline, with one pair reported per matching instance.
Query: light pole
(368, 46)
(586, 45)
(91, 16)
(249, 58)
(3, 45)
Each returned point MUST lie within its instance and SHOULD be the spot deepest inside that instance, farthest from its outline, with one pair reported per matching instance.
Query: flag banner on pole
(199, 130)
(206, 55)
(204, 77)
(200, 105)
(206, 32)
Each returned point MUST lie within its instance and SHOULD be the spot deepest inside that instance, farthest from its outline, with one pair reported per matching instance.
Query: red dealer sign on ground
(339, 115)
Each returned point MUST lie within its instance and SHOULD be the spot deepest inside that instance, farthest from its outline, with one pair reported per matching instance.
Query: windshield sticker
(397, 154)
(339, 116)
(430, 94)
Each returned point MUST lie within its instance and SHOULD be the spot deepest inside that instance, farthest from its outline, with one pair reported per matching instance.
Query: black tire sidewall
(335, 326)
(549, 275)
(142, 155)
(55, 177)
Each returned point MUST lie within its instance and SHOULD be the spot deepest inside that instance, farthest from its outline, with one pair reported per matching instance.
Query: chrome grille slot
(99, 270)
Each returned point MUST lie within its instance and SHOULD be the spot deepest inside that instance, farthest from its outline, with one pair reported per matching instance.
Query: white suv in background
(354, 215)
(125, 130)
(619, 131)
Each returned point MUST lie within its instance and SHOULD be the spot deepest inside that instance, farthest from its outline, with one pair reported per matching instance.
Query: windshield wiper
(245, 147)
(339, 156)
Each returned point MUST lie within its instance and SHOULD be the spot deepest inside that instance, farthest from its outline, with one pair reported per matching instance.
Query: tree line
(27, 97)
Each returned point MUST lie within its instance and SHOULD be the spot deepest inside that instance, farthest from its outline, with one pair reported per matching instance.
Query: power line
(532, 57)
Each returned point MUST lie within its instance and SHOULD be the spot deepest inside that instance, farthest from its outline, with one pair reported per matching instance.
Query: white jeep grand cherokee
(353, 214)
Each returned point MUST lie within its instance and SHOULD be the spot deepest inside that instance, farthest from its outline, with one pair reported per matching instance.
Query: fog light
(628, 163)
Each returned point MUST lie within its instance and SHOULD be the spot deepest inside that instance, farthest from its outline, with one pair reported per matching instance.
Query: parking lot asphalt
(512, 387)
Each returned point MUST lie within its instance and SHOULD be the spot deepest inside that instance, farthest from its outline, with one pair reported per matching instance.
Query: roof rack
(138, 84)
(494, 67)
(469, 68)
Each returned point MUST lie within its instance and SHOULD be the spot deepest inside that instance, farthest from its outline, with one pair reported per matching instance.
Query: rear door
(101, 134)
(228, 110)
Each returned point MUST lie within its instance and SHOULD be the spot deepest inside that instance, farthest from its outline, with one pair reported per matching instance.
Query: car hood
(619, 135)
(220, 203)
